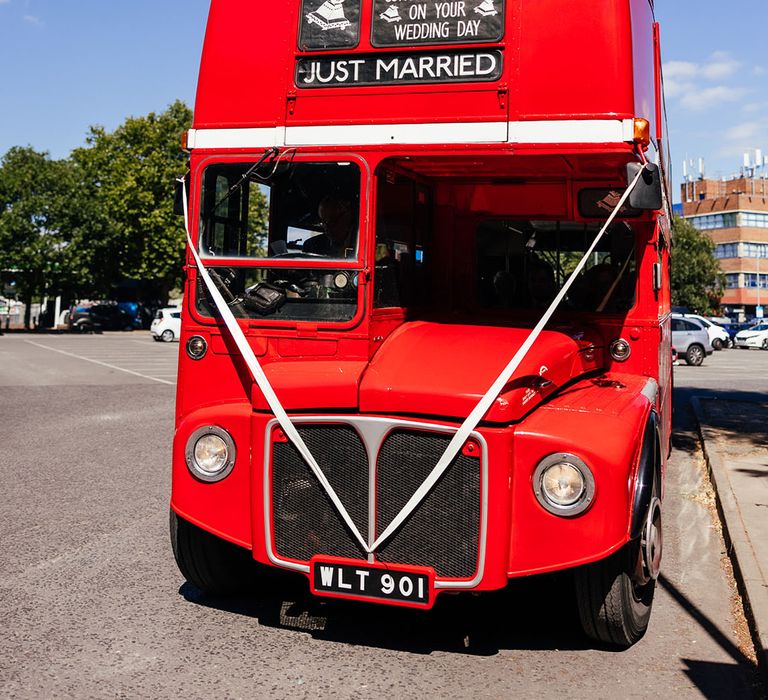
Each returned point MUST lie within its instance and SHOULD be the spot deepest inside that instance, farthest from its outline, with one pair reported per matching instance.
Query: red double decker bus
(425, 336)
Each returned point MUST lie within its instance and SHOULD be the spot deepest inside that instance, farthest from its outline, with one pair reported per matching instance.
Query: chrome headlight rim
(196, 355)
(587, 495)
(189, 454)
(620, 350)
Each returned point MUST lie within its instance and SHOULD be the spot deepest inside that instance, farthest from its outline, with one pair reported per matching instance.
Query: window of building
(732, 280)
(727, 250)
(752, 219)
(707, 222)
(755, 250)
(751, 279)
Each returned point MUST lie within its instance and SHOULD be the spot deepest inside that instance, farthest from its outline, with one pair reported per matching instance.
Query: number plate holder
(408, 586)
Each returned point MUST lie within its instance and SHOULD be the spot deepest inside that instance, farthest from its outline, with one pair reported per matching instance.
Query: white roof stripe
(548, 132)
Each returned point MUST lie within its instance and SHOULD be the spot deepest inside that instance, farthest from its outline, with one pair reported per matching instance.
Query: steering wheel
(299, 255)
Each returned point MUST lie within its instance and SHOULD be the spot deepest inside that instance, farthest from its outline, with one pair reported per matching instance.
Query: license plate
(397, 585)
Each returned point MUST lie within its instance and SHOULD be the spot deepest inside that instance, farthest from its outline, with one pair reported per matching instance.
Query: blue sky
(67, 64)
(716, 79)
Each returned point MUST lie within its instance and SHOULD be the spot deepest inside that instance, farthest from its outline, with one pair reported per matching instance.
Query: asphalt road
(92, 605)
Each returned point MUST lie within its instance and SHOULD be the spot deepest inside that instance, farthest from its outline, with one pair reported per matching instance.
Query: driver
(338, 239)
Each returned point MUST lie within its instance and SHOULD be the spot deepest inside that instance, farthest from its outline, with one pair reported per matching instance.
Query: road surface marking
(99, 362)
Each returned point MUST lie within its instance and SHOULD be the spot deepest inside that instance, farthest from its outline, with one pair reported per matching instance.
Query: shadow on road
(741, 415)
(715, 680)
(522, 616)
(530, 614)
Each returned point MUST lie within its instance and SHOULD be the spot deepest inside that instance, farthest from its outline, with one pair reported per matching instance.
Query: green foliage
(126, 227)
(106, 214)
(34, 199)
(697, 280)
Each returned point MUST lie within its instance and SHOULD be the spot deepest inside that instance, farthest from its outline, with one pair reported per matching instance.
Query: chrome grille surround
(373, 431)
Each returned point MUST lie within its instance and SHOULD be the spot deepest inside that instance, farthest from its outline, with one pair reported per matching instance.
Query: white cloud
(752, 107)
(709, 97)
(744, 137)
(680, 69)
(746, 131)
(686, 81)
(31, 19)
(758, 70)
(720, 65)
(677, 88)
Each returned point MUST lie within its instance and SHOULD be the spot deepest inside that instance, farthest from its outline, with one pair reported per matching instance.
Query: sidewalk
(735, 439)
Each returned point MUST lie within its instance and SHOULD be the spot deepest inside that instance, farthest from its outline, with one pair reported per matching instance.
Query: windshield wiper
(274, 151)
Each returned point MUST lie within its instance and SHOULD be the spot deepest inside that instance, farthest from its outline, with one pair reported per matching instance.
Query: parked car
(140, 315)
(690, 339)
(754, 337)
(718, 336)
(97, 317)
(167, 324)
(735, 327)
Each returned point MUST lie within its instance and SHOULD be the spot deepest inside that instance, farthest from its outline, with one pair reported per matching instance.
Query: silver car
(690, 339)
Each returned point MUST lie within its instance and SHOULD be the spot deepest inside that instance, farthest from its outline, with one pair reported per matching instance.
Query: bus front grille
(442, 532)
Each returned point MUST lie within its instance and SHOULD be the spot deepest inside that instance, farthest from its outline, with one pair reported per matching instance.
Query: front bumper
(484, 527)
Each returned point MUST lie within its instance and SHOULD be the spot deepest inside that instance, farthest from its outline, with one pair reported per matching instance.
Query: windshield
(523, 264)
(299, 210)
(307, 212)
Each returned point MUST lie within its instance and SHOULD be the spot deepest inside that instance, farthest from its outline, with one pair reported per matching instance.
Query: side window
(234, 225)
(687, 325)
(402, 241)
(677, 325)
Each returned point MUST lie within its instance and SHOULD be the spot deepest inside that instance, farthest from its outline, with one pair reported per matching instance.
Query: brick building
(734, 213)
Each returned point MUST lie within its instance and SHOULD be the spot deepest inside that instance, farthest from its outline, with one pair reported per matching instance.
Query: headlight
(196, 347)
(210, 453)
(620, 350)
(563, 484)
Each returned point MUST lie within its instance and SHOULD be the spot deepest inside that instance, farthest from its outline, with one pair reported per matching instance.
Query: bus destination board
(391, 68)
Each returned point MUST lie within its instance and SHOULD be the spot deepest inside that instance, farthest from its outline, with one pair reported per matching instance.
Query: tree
(697, 280)
(34, 199)
(125, 226)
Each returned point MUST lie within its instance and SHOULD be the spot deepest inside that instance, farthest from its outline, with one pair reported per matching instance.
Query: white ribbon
(461, 435)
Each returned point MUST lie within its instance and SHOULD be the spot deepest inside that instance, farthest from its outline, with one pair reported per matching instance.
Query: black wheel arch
(648, 471)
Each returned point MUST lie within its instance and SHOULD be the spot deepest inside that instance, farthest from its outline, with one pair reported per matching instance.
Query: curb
(745, 568)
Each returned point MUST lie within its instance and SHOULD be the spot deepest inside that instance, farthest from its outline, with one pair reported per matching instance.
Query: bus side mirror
(647, 191)
(178, 197)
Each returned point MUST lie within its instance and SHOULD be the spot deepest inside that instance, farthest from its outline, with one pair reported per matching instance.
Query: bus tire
(613, 609)
(615, 594)
(212, 565)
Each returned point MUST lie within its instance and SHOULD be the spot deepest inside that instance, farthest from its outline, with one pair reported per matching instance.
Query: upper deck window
(523, 264)
(304, 210)
(329, 24)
